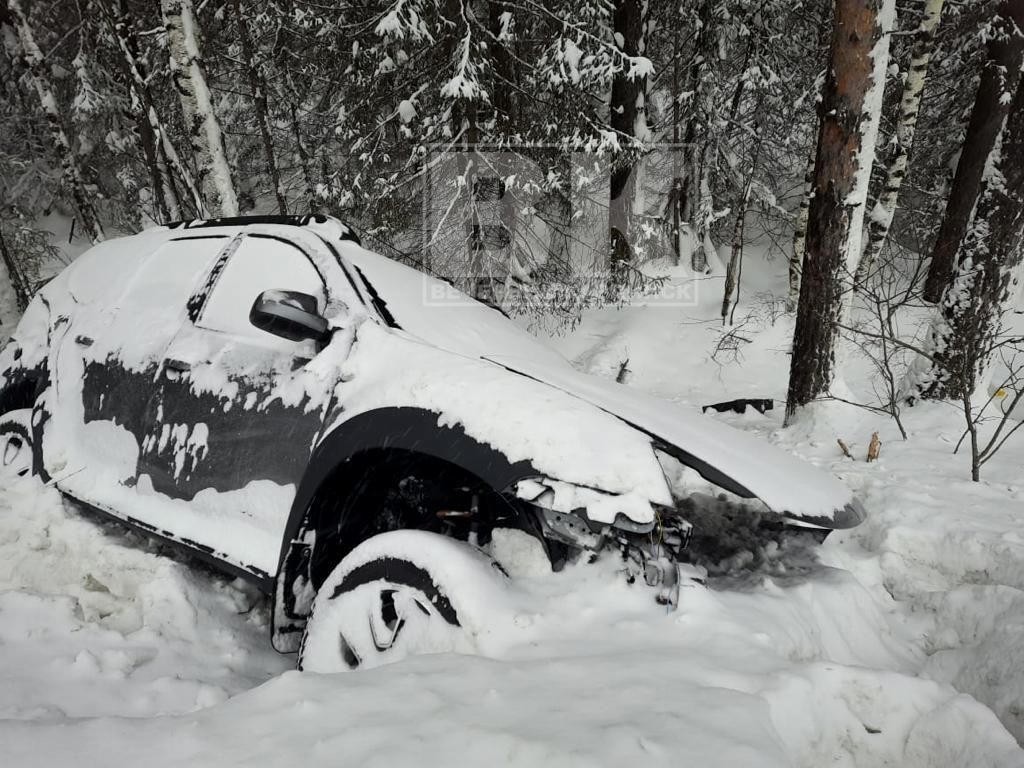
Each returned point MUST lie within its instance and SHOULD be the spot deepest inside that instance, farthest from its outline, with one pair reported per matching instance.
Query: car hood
(727, 457)
(561, 436)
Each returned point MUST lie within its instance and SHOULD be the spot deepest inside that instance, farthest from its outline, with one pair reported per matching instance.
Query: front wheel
(400, 594)
(16, 444)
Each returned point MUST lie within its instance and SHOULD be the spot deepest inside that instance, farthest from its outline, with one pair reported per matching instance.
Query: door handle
(178, 366)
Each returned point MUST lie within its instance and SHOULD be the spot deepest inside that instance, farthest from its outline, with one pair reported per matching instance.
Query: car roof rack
(345, 232)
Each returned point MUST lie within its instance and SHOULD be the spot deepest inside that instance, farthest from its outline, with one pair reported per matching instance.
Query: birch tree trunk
(258, 86)
(998, 84)
(628, 113)
(214, 173)
(850, 109)
(167, 157)
(987, 274)
(910, 104)
(70, 171)
(124, 33)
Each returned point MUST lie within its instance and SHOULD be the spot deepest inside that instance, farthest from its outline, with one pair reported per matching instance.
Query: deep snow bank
(108, 650)
(93, 623)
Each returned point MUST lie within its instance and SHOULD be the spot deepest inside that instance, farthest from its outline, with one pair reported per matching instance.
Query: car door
(239, 408)
(128, 303)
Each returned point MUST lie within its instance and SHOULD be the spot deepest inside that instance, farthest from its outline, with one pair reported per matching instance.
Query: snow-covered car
(348, 433)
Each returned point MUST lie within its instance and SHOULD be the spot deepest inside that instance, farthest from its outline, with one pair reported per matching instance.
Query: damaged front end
(650, 538)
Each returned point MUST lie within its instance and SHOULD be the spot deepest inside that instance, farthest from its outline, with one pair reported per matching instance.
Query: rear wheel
(16, 444)
(401, 594)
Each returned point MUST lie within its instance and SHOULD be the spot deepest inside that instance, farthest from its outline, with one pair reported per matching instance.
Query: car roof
(334, 228)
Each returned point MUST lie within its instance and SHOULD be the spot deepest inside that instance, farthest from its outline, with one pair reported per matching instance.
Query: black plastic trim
(241, 221)
(378, 303)
(412, 429)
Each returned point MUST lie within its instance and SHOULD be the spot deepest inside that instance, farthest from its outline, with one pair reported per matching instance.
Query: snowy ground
(899, 643)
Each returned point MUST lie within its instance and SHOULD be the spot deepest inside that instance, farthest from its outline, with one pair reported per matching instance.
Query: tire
(16, 453)
(400, 594)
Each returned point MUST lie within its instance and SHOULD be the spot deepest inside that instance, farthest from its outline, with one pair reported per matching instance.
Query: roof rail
(343, 230)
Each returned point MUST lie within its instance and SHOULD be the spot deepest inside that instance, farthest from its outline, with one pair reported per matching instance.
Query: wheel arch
(338, 472)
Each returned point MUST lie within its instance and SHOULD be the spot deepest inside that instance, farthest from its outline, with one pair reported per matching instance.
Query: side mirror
(289, 314)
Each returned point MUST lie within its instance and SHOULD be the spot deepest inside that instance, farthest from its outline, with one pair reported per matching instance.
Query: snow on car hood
(782, 481)
(563, 437)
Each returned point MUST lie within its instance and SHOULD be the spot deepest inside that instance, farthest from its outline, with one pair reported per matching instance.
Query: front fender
(413, 429)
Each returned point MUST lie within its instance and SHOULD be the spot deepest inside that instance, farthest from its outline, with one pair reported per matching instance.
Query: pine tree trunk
(258, 86)
(70, 172)
(304, 162)
(987, 274)
(998, 83)
(214, 173)
(840, 175)
(675, 198)
(504, 66)
(626, 109)
(910, 104)
(503, 100)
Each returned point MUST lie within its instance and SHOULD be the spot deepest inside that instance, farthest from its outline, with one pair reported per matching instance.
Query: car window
(259, 264)
(150, 305)
(170, 272)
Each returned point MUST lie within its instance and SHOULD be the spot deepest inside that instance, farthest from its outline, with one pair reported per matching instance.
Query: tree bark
(734, 270)
(690, 186)
(675, 197)
(312, 200)
(124, 31)
(796, 256)
(998, 83)
(213, 171)
(910, 104)
(167, 157)
(504, 65)
(627, 108)
(987, 273)
(70, 171)
(840, 175)
(505, 80)
(258, 86)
